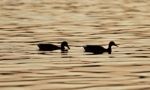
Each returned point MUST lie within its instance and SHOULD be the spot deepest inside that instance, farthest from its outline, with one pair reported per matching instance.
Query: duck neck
(109, 49)
(62, 48)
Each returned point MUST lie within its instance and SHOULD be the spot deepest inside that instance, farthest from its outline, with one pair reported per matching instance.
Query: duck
(98, 49)
(51, 47)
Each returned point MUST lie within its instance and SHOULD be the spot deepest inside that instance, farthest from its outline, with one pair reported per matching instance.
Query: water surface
(25, 23)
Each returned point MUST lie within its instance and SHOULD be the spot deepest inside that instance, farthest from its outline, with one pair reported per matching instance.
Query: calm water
(25, 23)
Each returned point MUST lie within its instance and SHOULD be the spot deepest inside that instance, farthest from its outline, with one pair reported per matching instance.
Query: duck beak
(116, 45)
(68, 47)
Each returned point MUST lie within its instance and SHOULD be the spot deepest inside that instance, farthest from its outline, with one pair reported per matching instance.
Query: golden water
(25, 23)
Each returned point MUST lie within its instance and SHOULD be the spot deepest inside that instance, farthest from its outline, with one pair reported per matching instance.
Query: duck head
(111, 43)
(63, 45)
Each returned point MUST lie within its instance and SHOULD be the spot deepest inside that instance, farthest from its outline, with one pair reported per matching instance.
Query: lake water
(25, 23)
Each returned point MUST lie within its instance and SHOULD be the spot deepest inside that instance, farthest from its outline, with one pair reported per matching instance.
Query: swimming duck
(51, 47)
(97, 49)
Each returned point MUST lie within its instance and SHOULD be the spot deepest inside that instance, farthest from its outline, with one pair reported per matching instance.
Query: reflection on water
(25, 23)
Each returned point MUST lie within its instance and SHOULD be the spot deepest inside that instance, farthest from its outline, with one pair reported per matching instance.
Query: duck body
(97, 49)
(48, 47)
(51, 47)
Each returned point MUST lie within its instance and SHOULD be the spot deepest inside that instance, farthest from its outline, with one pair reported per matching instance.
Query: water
(25, 23)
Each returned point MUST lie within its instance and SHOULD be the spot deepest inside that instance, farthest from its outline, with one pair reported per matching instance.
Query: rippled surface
(25, 23)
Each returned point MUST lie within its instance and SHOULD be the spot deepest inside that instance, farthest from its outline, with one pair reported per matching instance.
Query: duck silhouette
(51, 47)
(97, 49)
